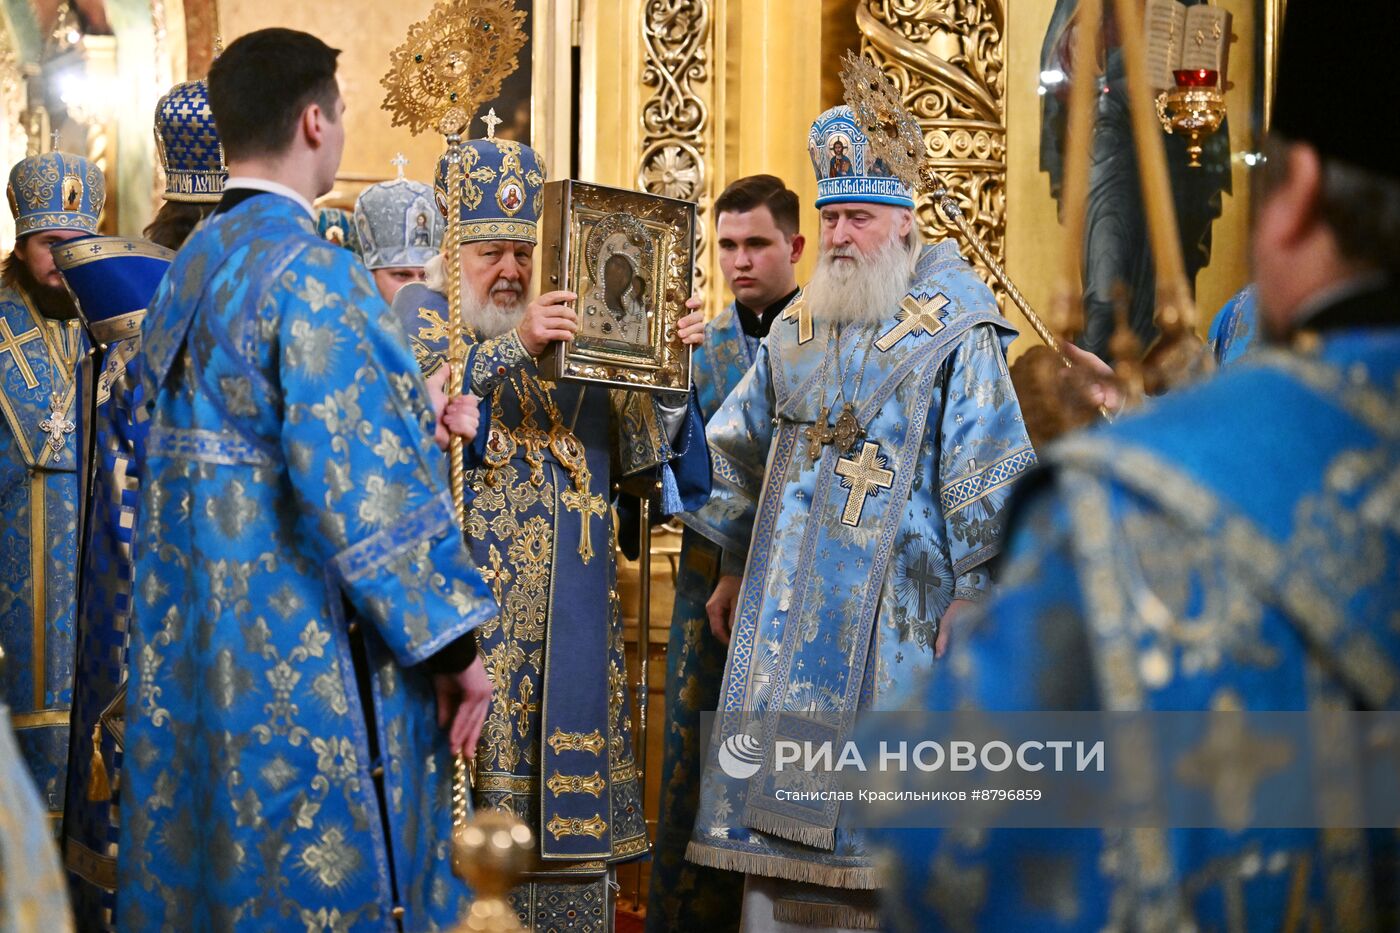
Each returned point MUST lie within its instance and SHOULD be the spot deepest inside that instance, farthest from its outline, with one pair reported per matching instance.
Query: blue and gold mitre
(398, 225)
(188, 144)
(56, 191)
(846, 168)
(502, 190)
(111, 276)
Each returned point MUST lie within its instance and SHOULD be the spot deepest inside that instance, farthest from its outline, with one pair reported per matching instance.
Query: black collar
(1375, 307)
(236, 196)
(757, 325)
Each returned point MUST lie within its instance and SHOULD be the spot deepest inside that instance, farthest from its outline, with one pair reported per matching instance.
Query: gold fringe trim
(786, 828)
(838, 916)
(830, 876)
(99, 788)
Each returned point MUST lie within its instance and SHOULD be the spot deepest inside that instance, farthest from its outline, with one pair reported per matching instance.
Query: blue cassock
(113, 280)
(557, 746)
(854, 552)
(684, 895)
(297, 560)
(38, 532)
(1257, 516)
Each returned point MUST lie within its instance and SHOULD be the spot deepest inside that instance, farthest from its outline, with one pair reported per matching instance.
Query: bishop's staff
(450, 63)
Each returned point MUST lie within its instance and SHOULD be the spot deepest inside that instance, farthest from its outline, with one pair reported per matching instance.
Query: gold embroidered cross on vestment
(915, 317)
(863, 476)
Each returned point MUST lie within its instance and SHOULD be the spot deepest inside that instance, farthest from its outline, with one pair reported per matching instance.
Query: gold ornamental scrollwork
(594, 826)
(947, 60)
(562, 741)
(576, 784)
(676, 117)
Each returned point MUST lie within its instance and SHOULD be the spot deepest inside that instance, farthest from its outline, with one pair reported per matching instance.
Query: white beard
(482, 315)
(489, 319)
(865, 290)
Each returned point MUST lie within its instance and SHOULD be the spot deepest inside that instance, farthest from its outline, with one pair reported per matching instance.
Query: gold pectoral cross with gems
(914, 318)
(587, 504)
(799, 310)
(863, 476)
(56, 425)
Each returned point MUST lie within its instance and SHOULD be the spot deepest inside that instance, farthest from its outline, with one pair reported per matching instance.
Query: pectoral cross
(819, 434)
(864, 476)
(914, 318)
(844, 433)
(587, 505)
(56, 426)
(400, 162)
(492, 121)
(11, 344)
(799, 310)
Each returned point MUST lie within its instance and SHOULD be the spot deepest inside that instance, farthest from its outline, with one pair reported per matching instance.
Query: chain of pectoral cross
(570, 453)
(847, 429)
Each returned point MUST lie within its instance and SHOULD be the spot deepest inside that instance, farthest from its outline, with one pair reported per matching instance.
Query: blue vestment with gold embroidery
(1151, 568)
(38, 532)
(113, 280)
(557, 746)
(854, 553)
(297, 557)
(684, 895)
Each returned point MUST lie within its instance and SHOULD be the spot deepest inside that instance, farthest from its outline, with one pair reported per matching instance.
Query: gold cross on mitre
(798, 309)
(492, 121)
(400, 162)
(864, 476)
(914, 318)
(11, 344)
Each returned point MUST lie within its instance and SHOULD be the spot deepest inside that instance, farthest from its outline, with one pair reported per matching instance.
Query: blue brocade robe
(684, 895)
(112, 423)
(557, 746)
(1279, 595)
(39, 532)
(856, 555)
(295, 526)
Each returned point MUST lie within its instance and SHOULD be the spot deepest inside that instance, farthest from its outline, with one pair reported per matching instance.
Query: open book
(1185, 38)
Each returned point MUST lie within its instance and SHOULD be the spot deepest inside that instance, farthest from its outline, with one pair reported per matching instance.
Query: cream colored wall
(365, 31)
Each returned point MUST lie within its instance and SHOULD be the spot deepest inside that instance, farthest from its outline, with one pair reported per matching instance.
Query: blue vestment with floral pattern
(38, 532)
(854, 548)
(1235, 547)
(297, 561)
(557, 746)
(113, 280)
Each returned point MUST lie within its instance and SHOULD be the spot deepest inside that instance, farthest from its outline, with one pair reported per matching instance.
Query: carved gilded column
(947, 57)
(677, 52)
